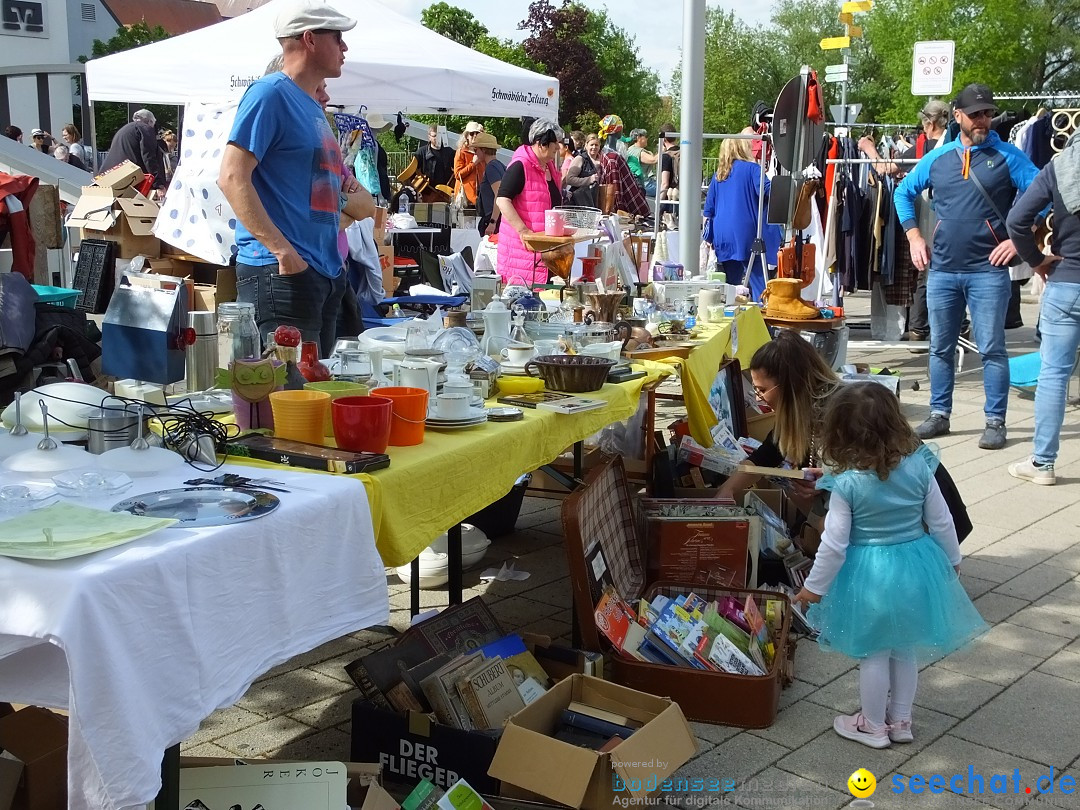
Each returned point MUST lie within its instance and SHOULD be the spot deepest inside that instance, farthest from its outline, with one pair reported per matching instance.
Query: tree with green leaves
(109, 116)
(556, 40)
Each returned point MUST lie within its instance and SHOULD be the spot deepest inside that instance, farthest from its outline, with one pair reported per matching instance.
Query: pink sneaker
(856, 727)
(900, 731)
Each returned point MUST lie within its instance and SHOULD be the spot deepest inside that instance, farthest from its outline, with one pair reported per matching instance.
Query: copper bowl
(574, 374)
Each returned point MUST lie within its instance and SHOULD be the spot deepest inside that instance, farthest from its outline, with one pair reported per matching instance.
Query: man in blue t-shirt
(281, 173)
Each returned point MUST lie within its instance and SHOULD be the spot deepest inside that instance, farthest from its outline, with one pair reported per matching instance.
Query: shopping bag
(487, 257)
(195, 216)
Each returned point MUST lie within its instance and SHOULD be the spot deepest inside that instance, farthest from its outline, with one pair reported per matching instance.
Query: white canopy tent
(393, 63)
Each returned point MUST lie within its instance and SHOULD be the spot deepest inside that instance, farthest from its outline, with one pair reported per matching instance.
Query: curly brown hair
(863, 429)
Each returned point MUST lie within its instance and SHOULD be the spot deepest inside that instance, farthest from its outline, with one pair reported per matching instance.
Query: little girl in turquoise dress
(885, 576)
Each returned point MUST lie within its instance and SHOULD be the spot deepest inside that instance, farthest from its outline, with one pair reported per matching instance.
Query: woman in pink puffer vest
(530, 187)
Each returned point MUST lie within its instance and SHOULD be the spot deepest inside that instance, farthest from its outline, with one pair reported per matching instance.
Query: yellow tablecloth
(738, 337)
(453, 474)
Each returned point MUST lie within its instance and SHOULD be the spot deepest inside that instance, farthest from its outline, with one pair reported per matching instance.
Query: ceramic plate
(457, 425)
(201, 506)
(512, 370)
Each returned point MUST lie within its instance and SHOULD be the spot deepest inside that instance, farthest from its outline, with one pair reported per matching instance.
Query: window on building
(89, 12)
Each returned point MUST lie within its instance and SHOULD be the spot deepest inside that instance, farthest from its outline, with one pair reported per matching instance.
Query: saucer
(512, 370)
(454, 424)
(473, 415)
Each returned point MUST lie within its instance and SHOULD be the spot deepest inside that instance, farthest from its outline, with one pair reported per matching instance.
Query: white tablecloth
(142, 642)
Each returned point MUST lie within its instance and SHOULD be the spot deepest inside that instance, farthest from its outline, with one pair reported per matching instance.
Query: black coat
(138, 143)
(436, 164)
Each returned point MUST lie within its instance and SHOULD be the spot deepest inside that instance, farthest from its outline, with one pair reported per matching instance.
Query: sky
(655, 26)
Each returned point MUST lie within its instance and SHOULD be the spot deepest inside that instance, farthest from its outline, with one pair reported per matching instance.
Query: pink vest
(516, 263)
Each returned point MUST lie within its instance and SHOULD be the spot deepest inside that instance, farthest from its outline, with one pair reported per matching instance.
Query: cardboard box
(411, 747)
(10, 773)
(38, 739)
(128, 221)
(386, 263)
(122, 180)
(758, 425)
(528, 757)
(561, 662)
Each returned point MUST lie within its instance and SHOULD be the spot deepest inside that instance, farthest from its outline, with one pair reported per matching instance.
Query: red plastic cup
(362, 423)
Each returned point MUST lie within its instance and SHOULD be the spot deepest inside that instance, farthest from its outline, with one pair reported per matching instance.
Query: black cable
(182, 426)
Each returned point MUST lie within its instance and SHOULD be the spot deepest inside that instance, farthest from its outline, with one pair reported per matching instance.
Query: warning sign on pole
(932, 68)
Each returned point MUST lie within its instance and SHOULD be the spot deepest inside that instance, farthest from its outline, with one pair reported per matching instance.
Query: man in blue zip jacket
(969, 263)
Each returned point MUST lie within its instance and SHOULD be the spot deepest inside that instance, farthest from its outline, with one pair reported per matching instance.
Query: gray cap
(309, 15)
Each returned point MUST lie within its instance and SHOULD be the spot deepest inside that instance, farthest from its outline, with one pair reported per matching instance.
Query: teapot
(633, 336)
(418, 373)
(496, 325)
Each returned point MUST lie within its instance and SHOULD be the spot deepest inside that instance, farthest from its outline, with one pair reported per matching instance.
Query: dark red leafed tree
(555, 41)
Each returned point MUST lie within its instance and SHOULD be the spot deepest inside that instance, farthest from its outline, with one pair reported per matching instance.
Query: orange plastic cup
(410, 411)
(300, 415)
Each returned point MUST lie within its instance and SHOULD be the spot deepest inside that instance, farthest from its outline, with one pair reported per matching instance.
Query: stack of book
(589, 727)
(458, 665)
(726, 635)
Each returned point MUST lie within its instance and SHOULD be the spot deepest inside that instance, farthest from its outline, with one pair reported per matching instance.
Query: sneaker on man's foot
(936, 425)
(1029, 470)
(900, 731)
(993, 437)
(856, 727)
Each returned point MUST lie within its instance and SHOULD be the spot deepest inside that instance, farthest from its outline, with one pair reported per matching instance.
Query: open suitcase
(604, 511)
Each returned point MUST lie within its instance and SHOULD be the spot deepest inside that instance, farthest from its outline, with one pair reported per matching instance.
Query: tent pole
(691, 126)
(93, 132)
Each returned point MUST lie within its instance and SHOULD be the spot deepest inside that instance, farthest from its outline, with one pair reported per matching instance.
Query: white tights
(887, 684)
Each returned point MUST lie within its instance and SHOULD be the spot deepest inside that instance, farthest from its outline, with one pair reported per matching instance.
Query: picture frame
(726, 397)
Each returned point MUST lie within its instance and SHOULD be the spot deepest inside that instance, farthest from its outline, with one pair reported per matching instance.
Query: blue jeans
(986, 294)
(307, 300)
(1059, 320)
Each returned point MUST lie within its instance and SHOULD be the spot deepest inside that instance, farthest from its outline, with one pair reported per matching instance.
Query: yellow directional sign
(853, 6)
(854, 31)
(847, 19)
(835, 43)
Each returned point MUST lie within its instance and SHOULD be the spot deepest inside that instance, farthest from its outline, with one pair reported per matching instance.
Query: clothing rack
(1051, 96)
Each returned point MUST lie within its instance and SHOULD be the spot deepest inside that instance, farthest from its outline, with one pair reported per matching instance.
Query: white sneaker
(900, 731)
(856, 727)
(1028, 470)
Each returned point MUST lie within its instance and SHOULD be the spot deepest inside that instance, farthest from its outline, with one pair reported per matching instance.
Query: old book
(458, 628)
(491, 694)
(601, 714)
(401, 697)
(436, 695)
(417, 674)
(441, 690)
(387, 667)
(359, 674)
(529, 677)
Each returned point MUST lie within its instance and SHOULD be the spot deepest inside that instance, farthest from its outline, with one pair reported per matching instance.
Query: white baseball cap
(310, 15)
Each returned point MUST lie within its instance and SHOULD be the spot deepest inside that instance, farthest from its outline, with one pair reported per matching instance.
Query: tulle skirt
(899, 596)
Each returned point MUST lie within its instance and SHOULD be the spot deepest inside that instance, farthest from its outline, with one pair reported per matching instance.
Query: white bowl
(434, 560)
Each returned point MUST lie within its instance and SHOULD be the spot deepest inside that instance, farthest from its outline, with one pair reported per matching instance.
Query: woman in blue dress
(887, 590)
(731, 215)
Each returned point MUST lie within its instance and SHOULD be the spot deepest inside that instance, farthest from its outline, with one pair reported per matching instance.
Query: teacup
(453, 406)
(466, 387)
(518, 355)
(545, 348)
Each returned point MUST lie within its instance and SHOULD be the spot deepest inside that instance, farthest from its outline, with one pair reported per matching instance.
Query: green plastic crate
(61, 296)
